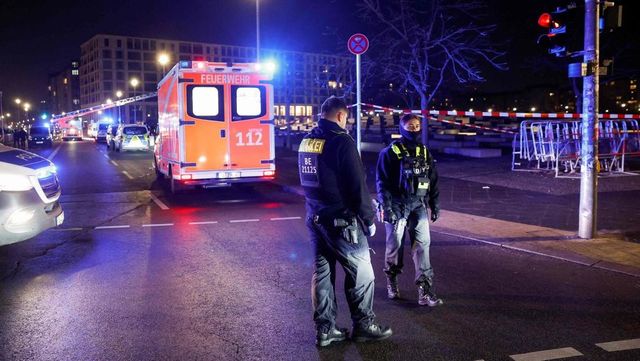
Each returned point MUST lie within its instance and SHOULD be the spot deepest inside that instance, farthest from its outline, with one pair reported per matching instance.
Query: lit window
(65, 80)
(248, 102)
(205, 102)
(74, 72)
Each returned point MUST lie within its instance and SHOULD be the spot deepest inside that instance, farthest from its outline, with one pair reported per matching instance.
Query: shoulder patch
(311, 145)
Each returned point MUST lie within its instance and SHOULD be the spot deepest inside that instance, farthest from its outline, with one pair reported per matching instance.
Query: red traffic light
(545, 20)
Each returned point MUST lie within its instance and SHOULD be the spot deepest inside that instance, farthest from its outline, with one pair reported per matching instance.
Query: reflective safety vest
(414, 170)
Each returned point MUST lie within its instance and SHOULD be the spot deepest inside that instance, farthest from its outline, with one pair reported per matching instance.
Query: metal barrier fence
(554, 145)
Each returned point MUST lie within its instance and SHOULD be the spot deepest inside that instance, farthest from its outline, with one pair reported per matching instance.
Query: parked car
(29, 193)
(101, 132)
(131, 137)
(40, 135)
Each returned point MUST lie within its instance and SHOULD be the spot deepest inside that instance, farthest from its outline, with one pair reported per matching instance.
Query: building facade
(64, 89)
(108, 63)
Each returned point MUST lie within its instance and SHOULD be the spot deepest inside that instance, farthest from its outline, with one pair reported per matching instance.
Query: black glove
(435, 214)
(390, 216)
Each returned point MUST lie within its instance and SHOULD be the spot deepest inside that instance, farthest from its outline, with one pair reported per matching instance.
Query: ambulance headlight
(14, 182)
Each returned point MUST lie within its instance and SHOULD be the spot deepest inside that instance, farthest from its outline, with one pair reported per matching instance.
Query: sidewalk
(484, 201)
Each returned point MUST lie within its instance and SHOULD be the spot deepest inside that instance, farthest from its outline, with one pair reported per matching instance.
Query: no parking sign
(358, 44)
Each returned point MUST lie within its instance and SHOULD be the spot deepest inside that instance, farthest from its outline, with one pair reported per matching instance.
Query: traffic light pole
(589, 150)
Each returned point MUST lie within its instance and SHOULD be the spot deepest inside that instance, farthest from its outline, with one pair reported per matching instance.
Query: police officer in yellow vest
(407, 181)
(340, 217)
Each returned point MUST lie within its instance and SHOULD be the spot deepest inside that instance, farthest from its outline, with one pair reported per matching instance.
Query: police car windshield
(39, 131)
(134, 130)
(103, 126)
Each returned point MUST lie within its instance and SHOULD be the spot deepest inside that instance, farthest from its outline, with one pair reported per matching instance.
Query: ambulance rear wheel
(174, 186)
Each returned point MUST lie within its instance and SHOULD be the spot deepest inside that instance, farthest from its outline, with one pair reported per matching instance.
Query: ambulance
(215, 124)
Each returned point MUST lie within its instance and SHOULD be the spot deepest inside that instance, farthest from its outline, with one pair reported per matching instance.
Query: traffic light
(554, 39)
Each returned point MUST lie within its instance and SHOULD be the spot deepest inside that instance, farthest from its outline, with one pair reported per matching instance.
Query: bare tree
(426, 42)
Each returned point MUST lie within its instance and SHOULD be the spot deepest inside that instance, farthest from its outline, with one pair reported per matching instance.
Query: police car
(131, 137)
(29, 193)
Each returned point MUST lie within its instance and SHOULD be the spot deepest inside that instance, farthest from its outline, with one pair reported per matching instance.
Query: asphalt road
(223, 274)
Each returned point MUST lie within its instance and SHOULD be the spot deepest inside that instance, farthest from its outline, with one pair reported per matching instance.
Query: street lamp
(163, 60)
(134, 83)
(258, 31)
(119, 95)
(27, 106)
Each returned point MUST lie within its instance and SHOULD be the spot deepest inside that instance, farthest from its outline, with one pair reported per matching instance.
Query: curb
(566, 256)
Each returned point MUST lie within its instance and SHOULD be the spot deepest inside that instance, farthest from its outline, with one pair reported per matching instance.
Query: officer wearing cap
(407, 181)
(340, 216)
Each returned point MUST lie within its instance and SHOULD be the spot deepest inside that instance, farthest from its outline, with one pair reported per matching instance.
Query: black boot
(426, 296)
(392, 287)
(333, 335)
(373, 332)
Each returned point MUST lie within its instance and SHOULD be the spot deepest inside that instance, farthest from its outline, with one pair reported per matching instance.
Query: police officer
(407, 181)
(340, 216)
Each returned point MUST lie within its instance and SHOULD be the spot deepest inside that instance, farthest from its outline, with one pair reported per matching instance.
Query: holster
(349, 228)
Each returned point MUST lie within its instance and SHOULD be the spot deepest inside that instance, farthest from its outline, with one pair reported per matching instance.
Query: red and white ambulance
(215, 124)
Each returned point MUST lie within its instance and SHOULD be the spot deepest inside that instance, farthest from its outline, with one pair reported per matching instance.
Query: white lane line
(127, 174)
(243, 220)
(284, 218)
(158, 225)
(114, 163)
(104, 155)
(204, 222)
(67, 229)
(547, 354)
(621, 345)
(112, 227)
(157, 201)
(55, 151)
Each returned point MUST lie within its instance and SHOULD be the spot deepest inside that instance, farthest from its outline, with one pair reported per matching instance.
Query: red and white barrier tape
(475, 126)
(502, 114)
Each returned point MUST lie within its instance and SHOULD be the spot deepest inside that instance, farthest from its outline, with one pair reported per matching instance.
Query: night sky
(41, 37)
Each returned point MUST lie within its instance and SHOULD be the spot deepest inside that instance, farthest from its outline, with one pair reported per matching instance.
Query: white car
(29, 193)
(131, 137)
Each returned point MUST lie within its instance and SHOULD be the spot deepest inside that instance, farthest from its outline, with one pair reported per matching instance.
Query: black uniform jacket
(332, 174)
(388, 178)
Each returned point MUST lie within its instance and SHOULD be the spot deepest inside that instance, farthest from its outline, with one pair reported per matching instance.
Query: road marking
(158, 225)
(112, 227)
(114, 163)
(157, 201)
(621, 345)
(284, 218)
(204, 222)
(55, 151)
(547, 354)
(243, 220)
(127, 174)
(67, 229)
(104, 155)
